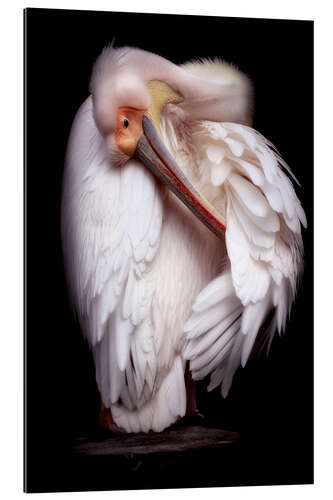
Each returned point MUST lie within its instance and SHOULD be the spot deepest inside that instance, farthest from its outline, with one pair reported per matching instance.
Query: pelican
(181, 233)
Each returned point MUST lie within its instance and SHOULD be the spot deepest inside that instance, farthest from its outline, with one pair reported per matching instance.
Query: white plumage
(151, 285)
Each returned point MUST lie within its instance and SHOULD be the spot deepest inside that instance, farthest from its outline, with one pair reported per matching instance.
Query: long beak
(151, 151)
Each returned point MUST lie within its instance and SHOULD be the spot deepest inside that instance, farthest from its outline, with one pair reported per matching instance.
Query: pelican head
(130, 89)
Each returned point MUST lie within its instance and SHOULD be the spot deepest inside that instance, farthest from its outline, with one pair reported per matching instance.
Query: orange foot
(106, 421)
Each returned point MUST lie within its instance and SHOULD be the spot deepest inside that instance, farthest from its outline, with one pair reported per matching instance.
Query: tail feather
(163, 409)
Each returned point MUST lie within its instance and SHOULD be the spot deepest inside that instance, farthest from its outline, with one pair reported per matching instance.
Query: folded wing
(111, 220)
(264, 245)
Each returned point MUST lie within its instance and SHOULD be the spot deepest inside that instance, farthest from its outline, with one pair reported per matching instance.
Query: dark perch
(174, 440)
(184, 455)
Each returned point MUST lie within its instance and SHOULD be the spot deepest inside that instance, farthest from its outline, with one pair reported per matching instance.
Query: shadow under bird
(181, 233)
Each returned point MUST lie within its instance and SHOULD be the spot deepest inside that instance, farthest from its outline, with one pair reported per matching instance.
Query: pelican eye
(126, 123)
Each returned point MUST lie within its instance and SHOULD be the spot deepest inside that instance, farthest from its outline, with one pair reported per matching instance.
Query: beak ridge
(153, 154)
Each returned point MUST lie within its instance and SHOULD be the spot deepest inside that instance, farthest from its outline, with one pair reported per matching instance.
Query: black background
(271, 401)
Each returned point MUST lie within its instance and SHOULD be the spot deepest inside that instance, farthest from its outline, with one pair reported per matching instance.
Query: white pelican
(181, 232)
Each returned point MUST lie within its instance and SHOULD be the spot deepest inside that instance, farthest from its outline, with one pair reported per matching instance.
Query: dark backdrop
(271, 401)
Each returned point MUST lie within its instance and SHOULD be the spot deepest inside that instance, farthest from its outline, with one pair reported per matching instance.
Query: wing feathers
(264, 247)
(111, 221)
(249, 195)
